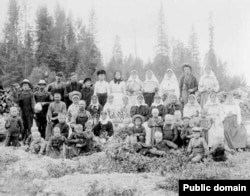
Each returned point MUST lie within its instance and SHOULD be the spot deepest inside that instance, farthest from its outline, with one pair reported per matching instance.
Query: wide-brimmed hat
(26, 81)
(186, 65)
(138, 116)
(42, 82)
(74, 93)
(196, 129)
(86, 80)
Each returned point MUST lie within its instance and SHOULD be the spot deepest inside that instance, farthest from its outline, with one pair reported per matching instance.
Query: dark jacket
(87, 93)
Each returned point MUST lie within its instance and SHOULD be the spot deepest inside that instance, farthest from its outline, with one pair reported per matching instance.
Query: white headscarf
(143, 102)
(209, 102)
(212, 76)
(169, 84)
(191, 109)
(130, 79)
(157, 104)
(153, 79)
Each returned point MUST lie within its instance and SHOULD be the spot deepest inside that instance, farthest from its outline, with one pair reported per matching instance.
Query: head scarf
(153, 79)
(94, 104)
(209, 102)
(106, 120)
(143, 101)
(157, 104)
(233, 101)
(117, 81)
(136, 79)
(195, 102)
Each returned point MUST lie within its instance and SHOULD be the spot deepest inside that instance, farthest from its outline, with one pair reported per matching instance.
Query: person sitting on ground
(95, 109)
(64, 127)
(186, 132)
(170, 132)
(159, 105)
(155, 124)
(179, 125)
(38, 145)
(29, 140)
(14, 126)
(140, 108)
(138, 132)
(55, 147)
(197, 148)
(172, 104)
(205, 124)
(104, 129)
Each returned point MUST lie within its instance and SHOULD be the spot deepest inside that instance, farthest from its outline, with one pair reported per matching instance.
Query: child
(161, 146)
(124, 112)
(56, 107)
(95, 109)
(77, 141)
(140, 108)
(29, 140)
(63, 126)
(87, 91)
(159, 105)
(179, 125)
(38, 144)
(111, 108)
(14, 125)
(192, 108)
(155, 124)
(55, 147)
(186, 132)
(205, 124)
(170, 132)
(138, 132)
(197, 147)
(104, 129)
(102, 89)
(172, 104)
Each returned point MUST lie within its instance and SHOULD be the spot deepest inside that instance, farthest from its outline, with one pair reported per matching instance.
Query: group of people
(81, 117)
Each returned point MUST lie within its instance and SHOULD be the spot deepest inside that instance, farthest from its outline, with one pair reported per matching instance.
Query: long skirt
(118, 100)
(149, 98)
(235, 135)
(184, 96)
(216, 131)
(133, 100)
(148, 133)
(203, 98)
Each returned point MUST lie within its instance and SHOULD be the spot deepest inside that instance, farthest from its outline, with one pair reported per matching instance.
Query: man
(188, 84)
(58, 86)
(26, 103)
(42, 97)
(87, 91)
(73, 85)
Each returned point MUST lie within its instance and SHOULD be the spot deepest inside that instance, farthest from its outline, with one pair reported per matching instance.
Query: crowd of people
(78, 118)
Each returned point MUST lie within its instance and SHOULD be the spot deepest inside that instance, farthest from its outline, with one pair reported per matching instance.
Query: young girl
(95, 109)
(104, 129)
(38, 144)
(172, 104)
(197, 147)
(192, 108)
(140, 108)
(155, 124)
(124, 113)
(14, 125)
(179, 125)
(170, 132)
(138, 132)
(111, 108)
(159, 105)
(74, 96)
(205, 124)
(64, 127)
(186, 132)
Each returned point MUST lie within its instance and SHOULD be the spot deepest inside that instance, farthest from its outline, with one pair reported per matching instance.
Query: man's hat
(187, 65)
(86, 80)
(42, 82)
(101, 72)
(74, 93)
(138, 116)
(26, 81)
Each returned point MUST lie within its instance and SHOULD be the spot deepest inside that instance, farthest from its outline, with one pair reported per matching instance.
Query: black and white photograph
(124, 97)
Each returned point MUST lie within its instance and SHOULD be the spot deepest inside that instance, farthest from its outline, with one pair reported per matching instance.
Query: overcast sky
(138, 18)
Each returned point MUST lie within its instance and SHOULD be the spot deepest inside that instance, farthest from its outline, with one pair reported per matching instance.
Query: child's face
(57, 97)
(191, 100)
(82, 105)
(75, 99)
(14, 112)
(111, 99)
(104, 116)
(157, 100)
(155, 113)
(101, 77)
(25, 86)
(125, 101)
(94, 100)
(140, 100)
(61, 119)
(79, 130)
(158, 139)
(117, 75)
(213, 98)
(87, 84)
(186, 122)
(196, 134)
(57, 132)
(177, 115)
(168, 121)
(36, 137)
(138, 122)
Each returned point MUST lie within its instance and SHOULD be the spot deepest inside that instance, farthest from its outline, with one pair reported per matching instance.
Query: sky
(136, 21)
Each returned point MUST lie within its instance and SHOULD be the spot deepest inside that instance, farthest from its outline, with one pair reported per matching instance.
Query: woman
(192, 108)
(150, 87)
(118, 89)
(169, 85)
(207, 84)
(95, 109)
(75, 97)
(172, 104)
(124, 112)
(159, 105)
(215, 112)
(111, 108)
(134, 87)
(235, 134)
(140, 108)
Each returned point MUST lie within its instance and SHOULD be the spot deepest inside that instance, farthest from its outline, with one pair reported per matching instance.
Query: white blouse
(101, 87)
(117, 88)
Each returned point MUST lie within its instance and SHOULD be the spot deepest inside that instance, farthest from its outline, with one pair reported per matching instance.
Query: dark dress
(101, 129)
(14, 125)
(70, 87)
(172, 107)
(170, 133)
(64, 128)
(141, 110)
(26, 103)
(78, 143)
(40, 118)
(141, 133)
(87, 93)
(95, 112)
(219, 154)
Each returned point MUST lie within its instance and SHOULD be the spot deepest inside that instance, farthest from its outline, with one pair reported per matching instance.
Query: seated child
(205, 124)
(29, 139)
(186, 132)
(197, 147)
(55, 147)
(179, 125)
(140, 108)
(170, 132)
(161, 146)
(104, 128)
(159, 105)
(138, 132)
(77, 141)
(14, 125)
(95, 109)
(155, 124)
(63, 126)
(38, 144)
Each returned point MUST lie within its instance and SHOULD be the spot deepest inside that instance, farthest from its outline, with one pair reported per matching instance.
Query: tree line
(58, 42)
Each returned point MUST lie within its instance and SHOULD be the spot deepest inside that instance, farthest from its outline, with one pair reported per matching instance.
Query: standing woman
(169, 85)
(235, 134)
(134, 87)
(117, 89)
(208, 83)
(215, 112)
(150, 87)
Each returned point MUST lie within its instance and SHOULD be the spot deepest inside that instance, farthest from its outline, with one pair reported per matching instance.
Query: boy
(102, 89)
(205, 124)
(38, 145)
(87, 91)
(170, 132)
(138, 131)
(63, 126)
(186, 132)
(14, 125)
(55, 147)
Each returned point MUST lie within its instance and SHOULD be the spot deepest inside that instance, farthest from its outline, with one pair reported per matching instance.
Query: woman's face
(111, 99)
(94, 100)
(172, 99)
(208, 70)
(169, 74)
(125, 101)
(191, 100)
(213, 98)
(75, 99)
(25, 86)
(230, 98)
(149, 75)
(118, 75)
(140, 100)
(157, 100)
(104, 115)
(134, 75)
